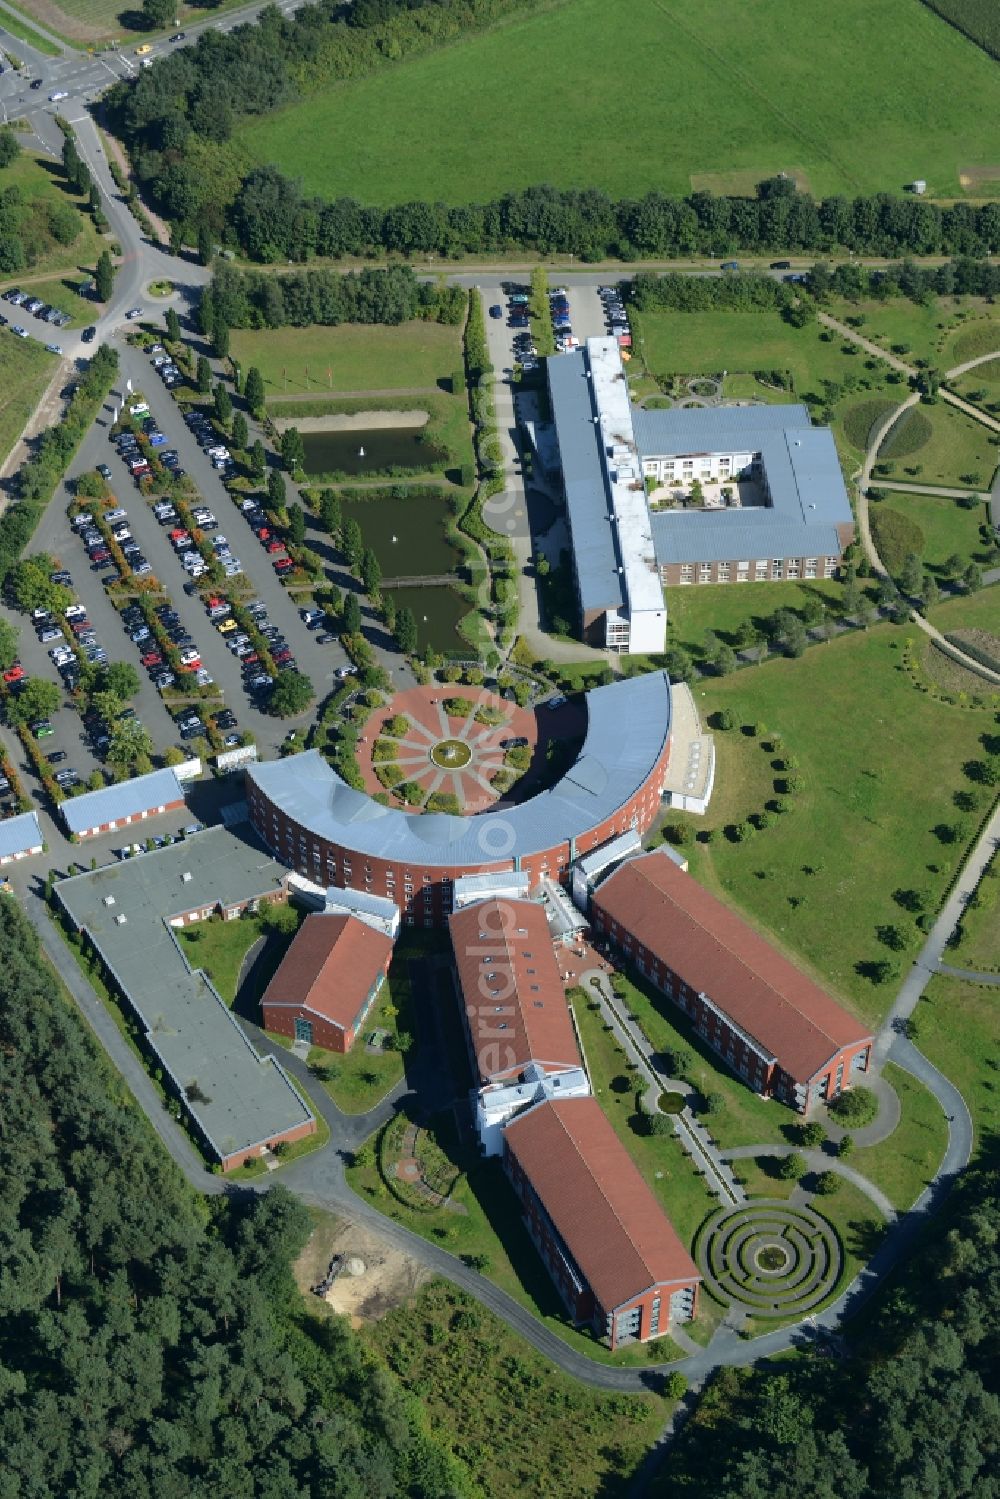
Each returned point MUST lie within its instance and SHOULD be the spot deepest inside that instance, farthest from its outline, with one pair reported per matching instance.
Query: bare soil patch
(978, 179)
(388, 1279)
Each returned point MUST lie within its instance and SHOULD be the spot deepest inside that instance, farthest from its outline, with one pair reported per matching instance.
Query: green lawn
(958, 1027)
(720, 96)
(722, 608)
(979, 948)
(974, 611)
(25, 370)
(863, 825)
(25, 33)
(935, 444)
(696, 343)
(373, 357)
(220, 947)
(904, 1164)
(948, 528)
(358, 1080)
(470, 1372)
(83, 21)
(40, 183)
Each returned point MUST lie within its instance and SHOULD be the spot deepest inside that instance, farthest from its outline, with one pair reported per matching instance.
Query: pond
(437, 612)
(361, 451)
(406, 534)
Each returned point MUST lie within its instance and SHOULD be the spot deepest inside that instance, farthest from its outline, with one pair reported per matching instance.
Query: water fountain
(361, 452)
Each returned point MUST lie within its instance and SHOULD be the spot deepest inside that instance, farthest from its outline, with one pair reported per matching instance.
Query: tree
(8, 644)
(725, 661)
(223, 404)
(253, 390)
(929, 592)
(406, 631)
(293, 450)
(972, 578)
(352, 543)
(329, 511)
(659, 1124)
(37, 699)
(714, 1103)
(33, 588)
(130, 740)
(10, 146)
(204, 375)
(206, 244)
(827, 1182)
(276, 492)
(240, 432)
(104, 277)
(792, 1168)
(121, 678)
(158, 13)
(292, 693)
(352, 615)
(220, 339)
(258, 460)
(371, 573)
(891, 936)
(855, 1108)
(173, 325)
(296, 524)
(811, 1134)
(912, 575)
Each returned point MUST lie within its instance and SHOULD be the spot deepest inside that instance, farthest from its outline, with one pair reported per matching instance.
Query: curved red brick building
(334, 835)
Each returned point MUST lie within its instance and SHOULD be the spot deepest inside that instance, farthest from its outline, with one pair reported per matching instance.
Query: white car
(75, 611)
(189, 655)
(203, 678)
(220, 543)
(60, 93)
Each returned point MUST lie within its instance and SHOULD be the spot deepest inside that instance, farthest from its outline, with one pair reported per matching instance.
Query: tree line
(912, 1410)
(253, 299)
(153, 1345)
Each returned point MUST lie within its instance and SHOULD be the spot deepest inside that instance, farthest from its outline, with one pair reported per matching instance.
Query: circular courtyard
(769, 1258)
(448, 748)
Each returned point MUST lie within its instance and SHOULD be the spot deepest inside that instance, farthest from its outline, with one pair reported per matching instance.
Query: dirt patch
(743, 183)
(355, 421)
(388, 1279)
(72, 27)
(951, 676)
(979, 179)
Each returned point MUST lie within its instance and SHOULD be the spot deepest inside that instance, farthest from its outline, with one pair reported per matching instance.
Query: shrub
(827, 1183)
(792, 1168)
(856, 1108)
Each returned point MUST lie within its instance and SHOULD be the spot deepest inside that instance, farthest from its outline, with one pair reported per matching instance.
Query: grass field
(947, 528)
(975, 611)
(516, 106)
(81, 21)
(471, 1372)
(695, 343)
(25, 370)
(958, 1027)
(220, 948)
(294, 361)
(904, 1164)
(869, 818)
(721, 608)
(40, 183)
(25, 33)
(979, 948)
(935, 444)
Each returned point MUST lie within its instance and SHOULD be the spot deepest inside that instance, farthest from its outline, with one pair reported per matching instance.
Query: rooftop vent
(186, 876)
(109, 900)
(121, 920)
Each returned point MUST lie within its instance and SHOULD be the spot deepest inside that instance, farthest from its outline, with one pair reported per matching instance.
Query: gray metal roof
(362, 901)
(628, 724)
(19, 834)
(244, 1099)
(735, 536)
(573, 411)
(126, 799)
(807, 493)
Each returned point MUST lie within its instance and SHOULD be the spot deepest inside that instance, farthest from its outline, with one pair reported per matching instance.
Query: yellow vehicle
(225, 626)
(141, 51)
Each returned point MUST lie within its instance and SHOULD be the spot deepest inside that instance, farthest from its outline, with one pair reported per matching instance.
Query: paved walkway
(936, 489)
(854, 337)
(881, 1127)
(971, 975)
(818, 1160)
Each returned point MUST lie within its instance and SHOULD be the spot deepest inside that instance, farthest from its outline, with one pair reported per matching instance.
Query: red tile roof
(618, 1235)
(330, 968)
(514, 999)
(717, 954)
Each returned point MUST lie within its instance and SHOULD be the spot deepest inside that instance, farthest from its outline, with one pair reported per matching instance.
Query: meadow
(868, 819)
(25, 370)
(44, 196)
(716, 98)
(295, 361)
(82, 21)
(948, 530)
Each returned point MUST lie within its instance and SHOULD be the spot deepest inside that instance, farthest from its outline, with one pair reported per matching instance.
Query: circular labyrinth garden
(769, 1258)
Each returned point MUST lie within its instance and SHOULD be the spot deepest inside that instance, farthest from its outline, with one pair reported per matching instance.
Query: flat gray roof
(628, 724)
(242, 1098)
(18, 834)
(808, 498)
(126, 799)
(579, 439)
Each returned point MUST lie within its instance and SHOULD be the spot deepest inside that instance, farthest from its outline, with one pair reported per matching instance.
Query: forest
(153, 1344)
(252, 299)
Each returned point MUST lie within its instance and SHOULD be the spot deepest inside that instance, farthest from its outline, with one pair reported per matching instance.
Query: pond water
(407, 534)
(437, 612)
(372, 451)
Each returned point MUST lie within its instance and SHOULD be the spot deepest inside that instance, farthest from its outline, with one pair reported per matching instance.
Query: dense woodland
(254, 299)
(180, 121)
(153, 1344)
(914, 1414)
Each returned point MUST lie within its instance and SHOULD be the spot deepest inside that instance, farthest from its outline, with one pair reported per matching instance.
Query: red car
(190, 666)
(275, 546)
(150, 659)
(14, 674)
(79, 625)
(284, 565)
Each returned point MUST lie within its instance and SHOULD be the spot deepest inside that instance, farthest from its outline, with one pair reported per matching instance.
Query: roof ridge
(593, 1175)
